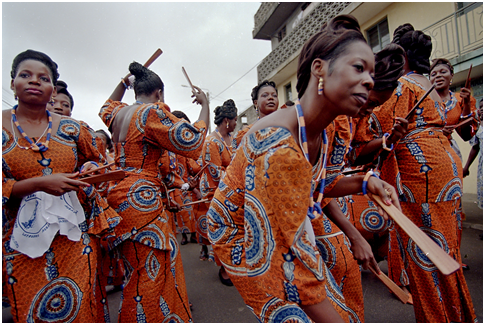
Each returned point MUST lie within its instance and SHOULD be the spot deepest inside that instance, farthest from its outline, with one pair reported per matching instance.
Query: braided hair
(227, 110)
(35, 55)
(389, 67)
(146, 81)
(61, 87)
(264, 83)
(417, 46)
(329, 43)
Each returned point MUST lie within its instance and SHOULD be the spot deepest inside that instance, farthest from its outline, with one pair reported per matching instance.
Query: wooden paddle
(468, 120)
(444, 262)
(109, 176)
(419, 102)
(395, 289)
(96, 169)
(195, 202)
(152, 59)
(188, 79)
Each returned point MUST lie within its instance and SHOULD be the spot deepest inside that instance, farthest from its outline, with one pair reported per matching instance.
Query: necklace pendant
(42, 147)
(35, 148)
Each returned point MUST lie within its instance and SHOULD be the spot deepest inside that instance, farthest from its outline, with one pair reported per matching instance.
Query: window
(244, 119)
(282, 34)
(378, 36)
(288, 94)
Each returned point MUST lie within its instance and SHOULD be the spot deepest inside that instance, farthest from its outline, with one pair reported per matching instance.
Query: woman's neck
(223, 130)
(444, 93)
(146, 99)
(318, 113)
(31, 113)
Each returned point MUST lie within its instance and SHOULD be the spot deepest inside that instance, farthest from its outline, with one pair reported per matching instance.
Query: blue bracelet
(461, 116)
(369, 174)
(92, 162)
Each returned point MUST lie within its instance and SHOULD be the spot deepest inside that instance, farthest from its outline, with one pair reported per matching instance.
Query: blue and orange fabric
(217, 156)
(427, 174)
(154, 274)
(64, 284)
(257, 227)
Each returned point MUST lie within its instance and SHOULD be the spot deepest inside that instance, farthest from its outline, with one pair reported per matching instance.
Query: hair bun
(342, 23)
(389, 66)
(137, 70)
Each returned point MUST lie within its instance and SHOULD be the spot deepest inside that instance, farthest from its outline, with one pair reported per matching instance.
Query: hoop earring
(320, 86)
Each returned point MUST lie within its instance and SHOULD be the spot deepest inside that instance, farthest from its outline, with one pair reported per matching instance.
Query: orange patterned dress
(218, 156)
(64, 284)
(427, 174)
(185, 217)
(256, 224)
(155, 285)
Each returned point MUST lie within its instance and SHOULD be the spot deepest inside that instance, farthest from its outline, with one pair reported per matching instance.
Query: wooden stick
(200, 171)
(188, 80)
(400, 294)
(109, 176)
(353, 171)
(444, 262)
(467, 82)
(468, 120)
(152, 59)
(195, 202)
(96, 169)
(419, 102)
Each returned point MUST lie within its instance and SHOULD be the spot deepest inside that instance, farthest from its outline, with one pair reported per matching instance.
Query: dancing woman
(428, 175)
(155, 286)
(259, 221)
(41, 155)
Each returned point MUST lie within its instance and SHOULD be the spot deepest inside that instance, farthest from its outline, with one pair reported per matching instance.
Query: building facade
(456, 29)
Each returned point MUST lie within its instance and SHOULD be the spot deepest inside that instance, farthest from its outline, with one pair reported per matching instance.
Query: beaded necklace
(224, 142)
(42, 147)
(315, 207)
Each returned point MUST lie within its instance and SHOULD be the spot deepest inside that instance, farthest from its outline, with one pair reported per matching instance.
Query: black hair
(181, 114)
(417, 46)
(109, 143)
(61, 87)
(264, 83)
(146, 81)
(35, 55)
(443, 61)
(389, 67)
(228, 109)
(329, 43)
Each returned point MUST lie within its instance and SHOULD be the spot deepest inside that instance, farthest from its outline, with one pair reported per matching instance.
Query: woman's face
(231, 124)
(348, 80)
(441, 76)
(376, 98)
(267, 101)
(61, 105)
(33, 83)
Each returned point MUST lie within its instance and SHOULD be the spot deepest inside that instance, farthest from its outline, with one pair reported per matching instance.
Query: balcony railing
(457, 34)
(295, 40)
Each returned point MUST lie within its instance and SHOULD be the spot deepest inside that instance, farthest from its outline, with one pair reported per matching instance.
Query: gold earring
(320, 86)
(15, 96)
(227, 125)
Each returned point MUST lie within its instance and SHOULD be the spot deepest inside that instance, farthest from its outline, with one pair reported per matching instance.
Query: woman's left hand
(385, 191)
(87, 166)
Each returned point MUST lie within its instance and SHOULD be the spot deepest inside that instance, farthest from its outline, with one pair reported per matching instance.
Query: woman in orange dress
(265, 101)
(154, 290)
(459, 106)
(259, 220)
(215, 158)
(61, 285)
(428, 176)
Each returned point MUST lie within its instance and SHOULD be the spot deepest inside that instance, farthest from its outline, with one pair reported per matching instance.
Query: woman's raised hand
(199, 96)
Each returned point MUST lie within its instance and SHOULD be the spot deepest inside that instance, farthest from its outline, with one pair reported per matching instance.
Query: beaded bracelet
(369, 174)
(92, 162)
(384, 146)
(466, 116)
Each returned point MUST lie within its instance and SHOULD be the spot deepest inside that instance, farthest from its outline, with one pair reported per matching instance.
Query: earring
(52, 100)
(15, 96)
(320, 86)
(227, 125)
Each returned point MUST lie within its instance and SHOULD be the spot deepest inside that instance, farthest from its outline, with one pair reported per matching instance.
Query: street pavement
(215, 303)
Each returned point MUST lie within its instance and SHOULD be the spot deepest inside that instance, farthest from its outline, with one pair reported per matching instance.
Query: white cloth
(309, 230)
(41, 216)
(185, 186)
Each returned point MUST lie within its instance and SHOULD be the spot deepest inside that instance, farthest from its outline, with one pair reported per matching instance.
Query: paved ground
(215, 303)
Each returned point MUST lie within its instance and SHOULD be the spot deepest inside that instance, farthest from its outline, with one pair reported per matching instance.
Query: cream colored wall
(281, 89)
(418, 14)
(469, 182)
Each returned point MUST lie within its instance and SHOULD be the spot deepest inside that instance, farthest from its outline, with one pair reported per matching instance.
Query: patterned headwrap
(444, 61)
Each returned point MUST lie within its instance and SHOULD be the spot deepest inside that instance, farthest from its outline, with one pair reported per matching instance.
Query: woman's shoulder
(268, 139)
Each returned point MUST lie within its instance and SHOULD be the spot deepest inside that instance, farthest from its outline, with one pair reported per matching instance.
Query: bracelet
(369, 174)
(384, 146)
(467, 116)
(124, 83)
(92, 162)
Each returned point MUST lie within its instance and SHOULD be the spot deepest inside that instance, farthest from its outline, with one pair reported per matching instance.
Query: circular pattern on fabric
(68, 130)
(202, 224)
(419, 257)
(58, 301)
(259, 237)
(451, 191)
(327, 251)
(152, 266)
(149, 238)
(289, 313)
(173, 318)
(185, 137)
(372, 221)
(143, 196)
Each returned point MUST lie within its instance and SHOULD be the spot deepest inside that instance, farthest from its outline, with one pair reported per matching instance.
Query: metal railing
(458, 33)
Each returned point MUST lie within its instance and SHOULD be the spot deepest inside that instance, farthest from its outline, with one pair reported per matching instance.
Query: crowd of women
(280, 206)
